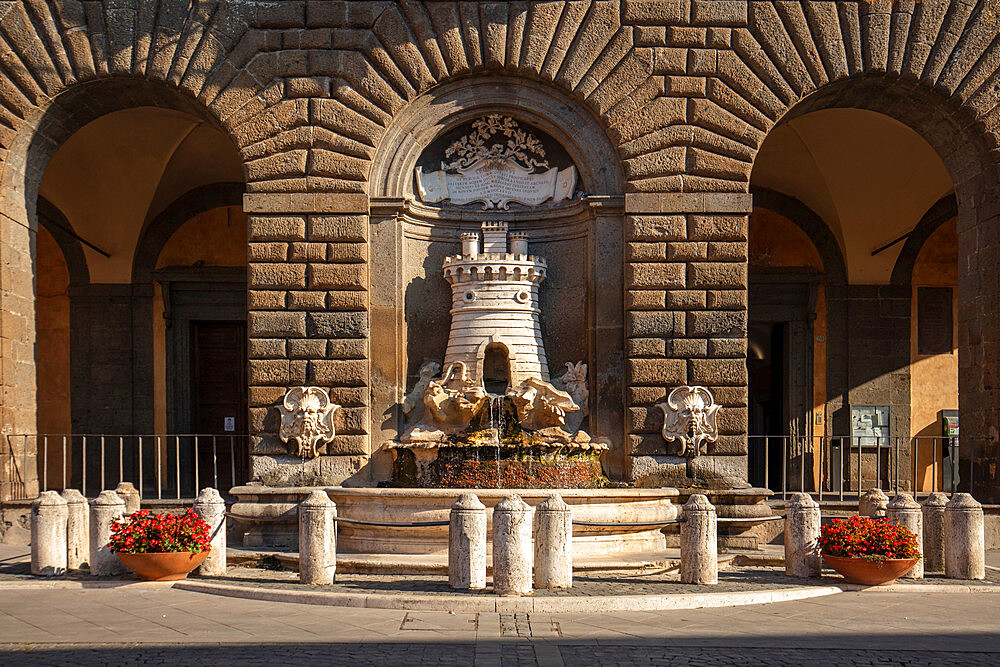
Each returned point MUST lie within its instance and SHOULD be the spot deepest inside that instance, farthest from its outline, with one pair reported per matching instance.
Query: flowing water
(496, 425)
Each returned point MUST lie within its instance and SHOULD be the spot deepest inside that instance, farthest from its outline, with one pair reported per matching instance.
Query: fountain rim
(410, 492)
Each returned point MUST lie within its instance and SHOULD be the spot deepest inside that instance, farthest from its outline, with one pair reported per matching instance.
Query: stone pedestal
(512, 554)
(553, 544)
(212, 509)
(77, 529)
(699, 545)
(467, 544)
(873, 503)
(905, 511)
(933, 547)
(802, 524)
(964, 538)
(104, 511)
(317, 539)
(130, 495)
(48, 534)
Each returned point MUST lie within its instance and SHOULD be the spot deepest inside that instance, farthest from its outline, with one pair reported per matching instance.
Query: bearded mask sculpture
(307, 418)
(689, 417)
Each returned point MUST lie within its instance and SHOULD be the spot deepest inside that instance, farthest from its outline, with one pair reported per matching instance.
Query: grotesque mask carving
(307, 418)
(689, 417)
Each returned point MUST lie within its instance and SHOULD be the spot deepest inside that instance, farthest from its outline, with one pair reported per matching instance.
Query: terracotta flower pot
(163, 566)
(870, 572)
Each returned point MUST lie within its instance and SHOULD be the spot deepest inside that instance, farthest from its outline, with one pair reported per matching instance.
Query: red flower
(144, 533)
(866, 537)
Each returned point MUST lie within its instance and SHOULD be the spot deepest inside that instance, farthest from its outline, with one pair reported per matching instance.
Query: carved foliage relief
(497, 162)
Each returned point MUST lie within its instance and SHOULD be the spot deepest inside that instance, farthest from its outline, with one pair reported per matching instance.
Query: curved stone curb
(919, 588)
(509, 605)
(80, 585)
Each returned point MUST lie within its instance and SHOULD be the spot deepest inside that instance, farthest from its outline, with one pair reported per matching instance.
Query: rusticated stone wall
(686, 319)
(686, 91)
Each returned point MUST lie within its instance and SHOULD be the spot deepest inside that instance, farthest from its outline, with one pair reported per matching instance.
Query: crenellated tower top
(495, 305)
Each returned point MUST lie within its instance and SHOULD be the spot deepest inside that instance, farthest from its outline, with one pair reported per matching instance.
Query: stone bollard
(512, 554)
(553, 544)
(77, 529)
(105, 509)
(699, 542)
(905, 511)
(130, 495)
(873, 503)
(48, 534)
(933, 509)
(964, 538)
(212, 509)
(467, 544)
(317, 539)
(802, 522)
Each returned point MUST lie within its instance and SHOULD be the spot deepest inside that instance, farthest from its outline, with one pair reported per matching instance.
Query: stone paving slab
(161, 627)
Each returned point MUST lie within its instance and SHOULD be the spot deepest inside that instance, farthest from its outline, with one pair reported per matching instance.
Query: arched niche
(581, 299)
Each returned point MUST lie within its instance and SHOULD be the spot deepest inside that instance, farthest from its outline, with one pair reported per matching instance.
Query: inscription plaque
(934, 320)
(496, 164)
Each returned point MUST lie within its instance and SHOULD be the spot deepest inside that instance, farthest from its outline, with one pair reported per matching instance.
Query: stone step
(438, 564)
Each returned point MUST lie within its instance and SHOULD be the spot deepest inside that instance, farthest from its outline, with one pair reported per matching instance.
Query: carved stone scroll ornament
(307, 418)
(689, 418)
(497, 163)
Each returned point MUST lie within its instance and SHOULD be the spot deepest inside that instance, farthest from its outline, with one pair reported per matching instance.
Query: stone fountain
(493, 418)
(488, 417)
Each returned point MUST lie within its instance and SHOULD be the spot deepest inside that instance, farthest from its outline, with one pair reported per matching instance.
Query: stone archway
(943, 211)
(72, 110)
(962, 146)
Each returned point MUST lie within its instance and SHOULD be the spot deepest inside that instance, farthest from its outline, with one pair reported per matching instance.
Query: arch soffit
(959, 140)
(463, 100)
(75, 107)
(56, 224)
(811, 225)
(159, 230)
(945, 209)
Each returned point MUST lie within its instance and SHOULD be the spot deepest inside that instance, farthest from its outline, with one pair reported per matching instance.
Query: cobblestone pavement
(165, 626)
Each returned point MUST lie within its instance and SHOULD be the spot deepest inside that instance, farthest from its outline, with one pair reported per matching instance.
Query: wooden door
(219, 400)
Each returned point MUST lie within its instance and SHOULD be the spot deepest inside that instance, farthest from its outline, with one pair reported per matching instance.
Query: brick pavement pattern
(163, 626)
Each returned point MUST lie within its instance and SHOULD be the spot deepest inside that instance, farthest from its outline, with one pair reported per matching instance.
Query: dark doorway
(218, 377)
(780, 364)
(767, 388)
(205, 309)
(219, 398)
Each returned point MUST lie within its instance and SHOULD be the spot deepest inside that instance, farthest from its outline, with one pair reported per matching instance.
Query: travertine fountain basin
(275, 523)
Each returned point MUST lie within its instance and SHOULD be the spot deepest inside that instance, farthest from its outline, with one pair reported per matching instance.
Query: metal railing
(841, 467)
(159, 465)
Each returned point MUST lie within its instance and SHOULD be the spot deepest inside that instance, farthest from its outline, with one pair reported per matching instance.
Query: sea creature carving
(307, 419)
(413, 404)
(574, 383)
(454, 399)
(689, 418)
(540, 405)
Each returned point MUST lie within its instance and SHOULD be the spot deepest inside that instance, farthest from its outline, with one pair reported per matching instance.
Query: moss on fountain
(538, 466)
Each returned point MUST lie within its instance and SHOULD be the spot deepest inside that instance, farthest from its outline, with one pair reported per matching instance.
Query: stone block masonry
(315, 94)
(686, 281)
(308, 319)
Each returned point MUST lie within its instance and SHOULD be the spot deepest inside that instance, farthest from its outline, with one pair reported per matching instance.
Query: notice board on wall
(934, 320)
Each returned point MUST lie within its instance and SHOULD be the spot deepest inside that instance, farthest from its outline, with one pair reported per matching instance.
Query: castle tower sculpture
(495, 346)
(495, 304)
